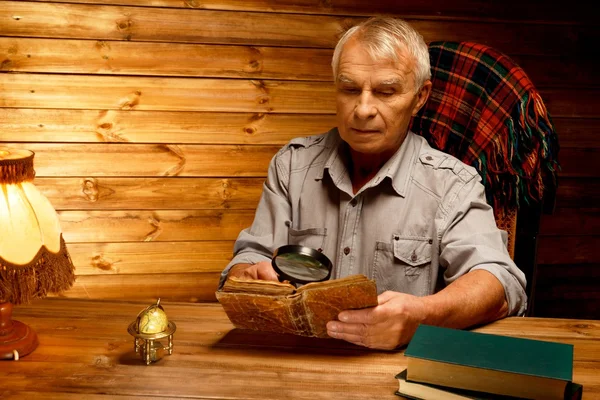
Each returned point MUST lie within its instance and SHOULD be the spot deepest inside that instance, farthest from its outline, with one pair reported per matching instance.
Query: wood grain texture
(95, 193)
(151, 193)
(145, 160)
(164, 94)
(166, 59)
(85, 349)
(150, 258)
(571, 221)
(115, 126)
(153, 226)
(432, 9)
(188, 287)
(82, 21)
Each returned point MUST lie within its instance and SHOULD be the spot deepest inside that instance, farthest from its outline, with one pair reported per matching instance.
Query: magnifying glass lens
(300, 264)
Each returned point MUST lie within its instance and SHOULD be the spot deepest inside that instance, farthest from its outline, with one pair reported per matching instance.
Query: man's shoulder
(306, 142)
(308, 150)
(436, 163)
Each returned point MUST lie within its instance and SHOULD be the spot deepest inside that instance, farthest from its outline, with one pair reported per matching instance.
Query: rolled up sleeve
(270, 226)
(470, 240)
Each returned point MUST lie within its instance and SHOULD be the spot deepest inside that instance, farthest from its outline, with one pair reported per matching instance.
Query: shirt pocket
(311, 237)
(403, 265)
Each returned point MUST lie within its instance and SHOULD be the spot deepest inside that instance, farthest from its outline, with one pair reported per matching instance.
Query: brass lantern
(151, 325)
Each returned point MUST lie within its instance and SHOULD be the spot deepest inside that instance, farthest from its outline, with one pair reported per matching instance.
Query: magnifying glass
(300, 264)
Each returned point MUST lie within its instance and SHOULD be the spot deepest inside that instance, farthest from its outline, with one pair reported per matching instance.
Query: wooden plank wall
(153, 123)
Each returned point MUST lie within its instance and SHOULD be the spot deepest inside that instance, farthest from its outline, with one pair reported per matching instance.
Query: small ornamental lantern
(150, 325)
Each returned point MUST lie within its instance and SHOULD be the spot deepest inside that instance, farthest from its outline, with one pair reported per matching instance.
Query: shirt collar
(398, 168)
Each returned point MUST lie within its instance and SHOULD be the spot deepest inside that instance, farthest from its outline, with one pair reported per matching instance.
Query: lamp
(33, 256)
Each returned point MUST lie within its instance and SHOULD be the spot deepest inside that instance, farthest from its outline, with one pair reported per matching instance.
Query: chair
(484, 110)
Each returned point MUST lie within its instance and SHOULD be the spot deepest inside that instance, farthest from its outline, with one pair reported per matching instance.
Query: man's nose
(365, 106)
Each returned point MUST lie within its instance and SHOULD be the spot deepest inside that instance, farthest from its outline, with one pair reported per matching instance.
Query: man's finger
(364, 316)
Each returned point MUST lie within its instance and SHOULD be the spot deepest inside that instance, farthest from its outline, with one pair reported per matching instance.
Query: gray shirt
(418, 225)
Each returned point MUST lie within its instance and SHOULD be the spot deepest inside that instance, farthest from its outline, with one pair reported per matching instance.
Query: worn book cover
(281, 308)
(490, 363)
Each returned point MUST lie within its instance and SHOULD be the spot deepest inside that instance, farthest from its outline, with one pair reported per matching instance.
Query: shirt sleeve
(269, 229)
(471, 240)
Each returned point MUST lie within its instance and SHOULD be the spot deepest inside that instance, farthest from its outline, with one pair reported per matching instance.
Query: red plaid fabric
(484, 110)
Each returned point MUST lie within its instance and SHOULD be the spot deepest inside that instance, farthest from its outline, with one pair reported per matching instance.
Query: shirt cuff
(242, 258)
(514, 292)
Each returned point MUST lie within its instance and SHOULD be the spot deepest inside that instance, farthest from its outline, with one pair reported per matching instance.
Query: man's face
(375, 100)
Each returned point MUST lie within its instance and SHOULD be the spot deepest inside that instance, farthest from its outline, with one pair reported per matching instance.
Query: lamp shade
(33, 256)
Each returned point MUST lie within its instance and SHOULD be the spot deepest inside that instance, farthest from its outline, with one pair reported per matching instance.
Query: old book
(281, 308)
(424, 391)
(496, 364)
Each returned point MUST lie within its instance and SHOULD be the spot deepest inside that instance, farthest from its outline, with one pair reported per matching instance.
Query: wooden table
(85, 352)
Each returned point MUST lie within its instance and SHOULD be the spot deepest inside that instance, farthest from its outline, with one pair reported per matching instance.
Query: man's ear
(422, 96)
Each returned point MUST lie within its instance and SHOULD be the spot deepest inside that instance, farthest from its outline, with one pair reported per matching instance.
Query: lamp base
(16, 338)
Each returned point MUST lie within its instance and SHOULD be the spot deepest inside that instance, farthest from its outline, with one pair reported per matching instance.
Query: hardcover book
(282, 308)
(424, 391)
(490, 363)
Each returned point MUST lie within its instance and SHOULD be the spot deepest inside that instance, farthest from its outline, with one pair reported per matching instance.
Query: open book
(281, 308)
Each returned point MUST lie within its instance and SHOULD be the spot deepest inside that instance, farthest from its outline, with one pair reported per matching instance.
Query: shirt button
(413, 257)
(429, 158)
(396, 237)
(353, 202)
(346, 250)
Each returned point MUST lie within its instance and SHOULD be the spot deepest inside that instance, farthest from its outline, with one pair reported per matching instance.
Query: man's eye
(385, 93)
(350, 90)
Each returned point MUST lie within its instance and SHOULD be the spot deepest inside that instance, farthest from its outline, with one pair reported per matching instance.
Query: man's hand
(390, 324)
(261, 270)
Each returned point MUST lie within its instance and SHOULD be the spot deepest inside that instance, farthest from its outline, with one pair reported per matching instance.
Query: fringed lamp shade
(33, 258)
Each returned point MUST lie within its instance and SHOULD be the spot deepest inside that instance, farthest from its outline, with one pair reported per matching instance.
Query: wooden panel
(168, 25)
(259, 62)
(51, 125)
(151, 193)
(569, 249)
(577, 132)
(571, 221)
(150, 258)
(168, 94)
(192, 287)
(206, 26)
(578, 192)
(434, 9)
(170, 59)
(559, 71)
(140, 160)
(157, 226)
(579, 162)
(198, 160)
(185, 94)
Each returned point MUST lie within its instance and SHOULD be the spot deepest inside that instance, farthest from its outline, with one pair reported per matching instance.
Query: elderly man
(379, 201)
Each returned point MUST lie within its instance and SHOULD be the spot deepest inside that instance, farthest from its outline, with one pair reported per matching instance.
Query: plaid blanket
(484, 110)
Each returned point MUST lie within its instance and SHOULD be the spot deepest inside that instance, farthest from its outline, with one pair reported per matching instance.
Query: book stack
(452, 364)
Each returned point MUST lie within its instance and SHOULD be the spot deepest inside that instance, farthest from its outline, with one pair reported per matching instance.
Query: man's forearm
(475, 298)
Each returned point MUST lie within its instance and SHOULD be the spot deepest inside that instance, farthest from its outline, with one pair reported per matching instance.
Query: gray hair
(384, 37)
